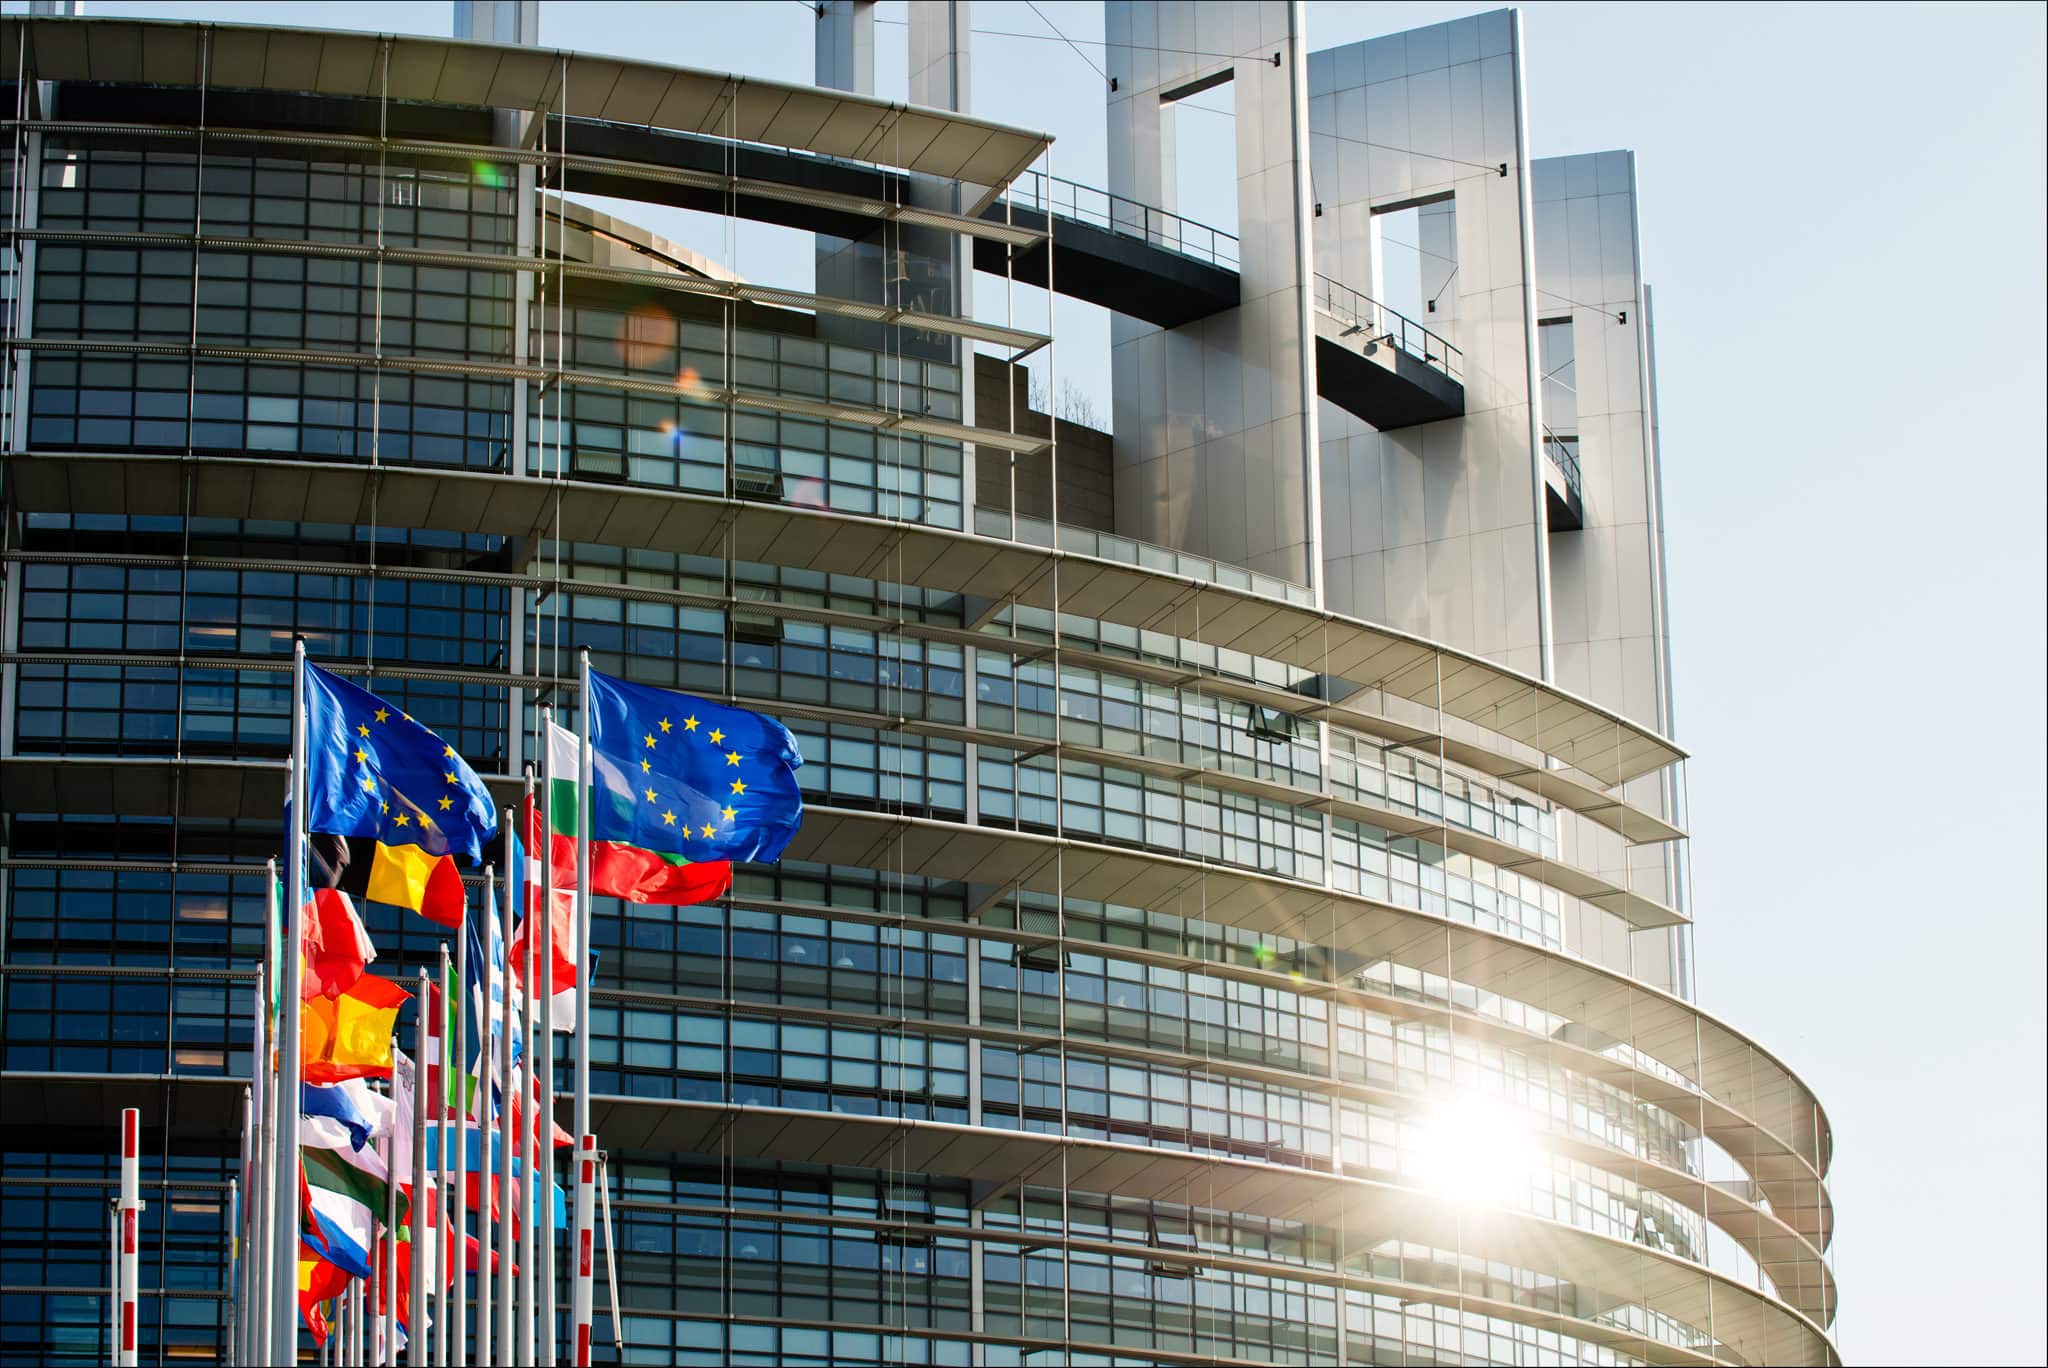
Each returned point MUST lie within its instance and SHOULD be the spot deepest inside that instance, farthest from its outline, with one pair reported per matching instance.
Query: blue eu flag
(371, 771)
(680, 776)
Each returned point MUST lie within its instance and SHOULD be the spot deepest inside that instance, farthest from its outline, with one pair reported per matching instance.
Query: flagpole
(544, 1122)
(585, 983)
(387, 1256)
(263, 1209)
(416, 1337)
(284, 1287)
(255, 1254)
(586, 1238)
(458, 1196)
(506, 1095)
(438, 1294)
(484, 1071)
(238, 1238)
(529, 1206)
(131, 1223)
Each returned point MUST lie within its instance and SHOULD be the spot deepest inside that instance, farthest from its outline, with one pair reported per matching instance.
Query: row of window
(99, 403)
(101, 185)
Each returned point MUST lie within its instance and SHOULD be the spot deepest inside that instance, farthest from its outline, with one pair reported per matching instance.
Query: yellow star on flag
(383, 714)
(730, 814)
(650, 795)
(717, 737)
(732, 757)
(646, 765)
(650, 740)
(664, 725)
(361, 755)
(709, 832)
(362, 730)
(451, 777)
(447, 803)
(739, 786)
(401, 820)
(369, 785)
(689, 724)
(669, 819)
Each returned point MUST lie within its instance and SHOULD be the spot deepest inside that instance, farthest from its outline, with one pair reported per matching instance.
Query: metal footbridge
(1133, 259)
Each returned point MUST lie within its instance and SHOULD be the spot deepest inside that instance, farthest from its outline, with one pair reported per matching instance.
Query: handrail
(1563, 457)
(1159, 227)
(1378, 323)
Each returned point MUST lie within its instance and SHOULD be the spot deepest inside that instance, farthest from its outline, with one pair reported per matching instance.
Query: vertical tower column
(498, 21)
(1216, 421)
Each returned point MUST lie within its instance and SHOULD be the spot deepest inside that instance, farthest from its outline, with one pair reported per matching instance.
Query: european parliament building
(1241, 914)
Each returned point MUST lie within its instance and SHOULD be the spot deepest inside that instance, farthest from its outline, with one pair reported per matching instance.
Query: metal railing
(1159, 227)
(1564, 454)
(1372, 322)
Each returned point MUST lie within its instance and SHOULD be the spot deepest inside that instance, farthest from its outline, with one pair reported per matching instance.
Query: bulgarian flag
(618, 869)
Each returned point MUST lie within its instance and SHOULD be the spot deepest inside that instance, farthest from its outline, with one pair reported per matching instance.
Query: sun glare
(1476, 1150)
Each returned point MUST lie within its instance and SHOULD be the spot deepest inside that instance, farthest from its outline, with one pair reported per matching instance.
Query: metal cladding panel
(416, 65)
(956, 146)
(755, 106)
(692, 104)
(290, 65)
(524, 77)
(349, 65)
(799, 119)
(629, 522)
(175, 63)
(636, 95)
(467, 77)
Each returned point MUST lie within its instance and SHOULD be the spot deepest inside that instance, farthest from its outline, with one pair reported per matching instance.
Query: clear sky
(1843, 221)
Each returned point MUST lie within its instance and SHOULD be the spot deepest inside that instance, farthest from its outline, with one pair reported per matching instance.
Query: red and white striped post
(586, 1187)
(131, 1220)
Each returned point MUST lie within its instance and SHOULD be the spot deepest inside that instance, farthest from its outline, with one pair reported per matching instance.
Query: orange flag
(349, 1036)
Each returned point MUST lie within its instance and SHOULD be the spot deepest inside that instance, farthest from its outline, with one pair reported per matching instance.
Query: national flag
(557, 844)
(319, 1281)
(501, 983)
(679, 782)
(477, 1166)
(342, 1206)
(402, 876)
(378, 778)
(337, 948)
(350, 1036)
(347, 1114)
(443, 1082)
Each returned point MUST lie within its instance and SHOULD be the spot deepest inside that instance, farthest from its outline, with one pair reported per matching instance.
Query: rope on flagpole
(611, 1264)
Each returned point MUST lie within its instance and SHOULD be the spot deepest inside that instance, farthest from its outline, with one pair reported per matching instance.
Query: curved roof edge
(455, 71)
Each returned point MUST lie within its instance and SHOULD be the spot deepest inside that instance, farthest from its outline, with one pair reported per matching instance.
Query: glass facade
(1036, 938)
